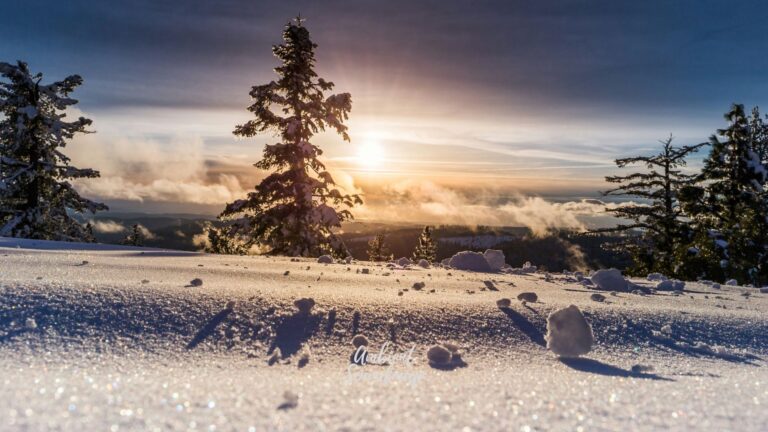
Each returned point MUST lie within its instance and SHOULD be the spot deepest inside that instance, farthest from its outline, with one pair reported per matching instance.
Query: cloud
(427, 202)
(146, 233)
(108, 227)
(142, 169)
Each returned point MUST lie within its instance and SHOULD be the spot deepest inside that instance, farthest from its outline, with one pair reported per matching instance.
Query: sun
(370, 154)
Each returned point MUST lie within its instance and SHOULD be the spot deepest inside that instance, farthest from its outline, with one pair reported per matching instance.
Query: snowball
(423, 263)
(439, 355)
(325, 259)
(452, 347)
(597, 297)
(495, 259)
(610, 280)
(472, 261)
(304, 305)
(568, 333)
(196, 282)
(529, 297)
(731, 282)
(402, 262)
(503, 303)
(359, 341)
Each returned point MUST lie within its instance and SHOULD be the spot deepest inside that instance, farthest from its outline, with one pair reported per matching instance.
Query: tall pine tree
(378, 250)
(426, 248)
(293, 210)
(659, 216)
(36, 198)
(728, 204)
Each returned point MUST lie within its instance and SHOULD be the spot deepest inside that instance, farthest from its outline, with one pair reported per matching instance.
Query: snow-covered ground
(117, 338)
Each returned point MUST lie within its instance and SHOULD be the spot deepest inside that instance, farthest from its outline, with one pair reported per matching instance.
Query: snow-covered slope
(104, 337)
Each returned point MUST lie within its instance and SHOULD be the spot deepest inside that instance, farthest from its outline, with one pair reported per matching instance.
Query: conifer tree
(378, 250)
(426, 248)
(728, 204)
(36, 198)
(135, 237)
(293, 211)
(659, 217)
(219, 242)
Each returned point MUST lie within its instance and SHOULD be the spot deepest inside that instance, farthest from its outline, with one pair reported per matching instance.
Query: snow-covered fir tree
(658, 217)
(295, 209)
(378, 249)
(36, 199)
(426, 248)
(135, 237)
(728, 205)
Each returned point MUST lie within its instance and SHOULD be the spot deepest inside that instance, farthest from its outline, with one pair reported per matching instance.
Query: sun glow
(370, 154)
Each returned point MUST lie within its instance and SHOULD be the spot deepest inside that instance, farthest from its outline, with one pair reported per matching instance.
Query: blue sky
(492, 100)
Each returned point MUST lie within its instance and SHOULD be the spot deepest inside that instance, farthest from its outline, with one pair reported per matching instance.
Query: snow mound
(403, 262)
(325, 259)
(670, 285)
(610, 280)
(568, 333)
(656, 277)
(423, 263)
(471, 261)
(732, 282)
(495, 259)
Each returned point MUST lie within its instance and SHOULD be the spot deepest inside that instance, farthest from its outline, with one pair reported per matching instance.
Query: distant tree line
(711, 224)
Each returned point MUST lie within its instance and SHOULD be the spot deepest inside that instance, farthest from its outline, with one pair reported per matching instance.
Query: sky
(491, 112)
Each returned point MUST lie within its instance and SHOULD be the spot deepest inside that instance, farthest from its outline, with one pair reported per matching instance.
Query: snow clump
(325, 259)
(472, 261)
(568, 333)
(731, 282)
(495, 259)
(423, 263)
(610, 280)
(403, 262)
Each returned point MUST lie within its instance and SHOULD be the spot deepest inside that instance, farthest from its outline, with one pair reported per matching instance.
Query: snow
(108, 352)
(423, 263)
(470, 261)
(732, 282)
(609, 280)
(568, 333)
(670, 285)
(403, 262)
(495, 259)
(325, 259)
